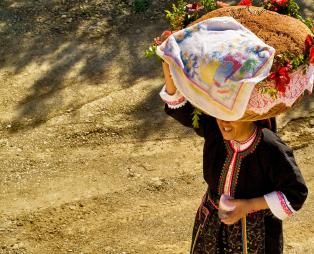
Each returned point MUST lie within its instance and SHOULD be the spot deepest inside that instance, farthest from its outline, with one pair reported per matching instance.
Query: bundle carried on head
(282, 32)
(242, 62)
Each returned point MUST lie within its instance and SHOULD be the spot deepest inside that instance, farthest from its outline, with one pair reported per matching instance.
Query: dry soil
(89, 163)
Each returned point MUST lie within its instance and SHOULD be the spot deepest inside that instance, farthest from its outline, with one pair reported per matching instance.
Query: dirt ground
(89, 162)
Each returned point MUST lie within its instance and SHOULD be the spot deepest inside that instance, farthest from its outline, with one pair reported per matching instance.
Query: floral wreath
(183, 13)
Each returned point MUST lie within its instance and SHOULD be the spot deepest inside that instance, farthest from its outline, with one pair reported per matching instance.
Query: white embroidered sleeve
(174, 101)
(279, 204)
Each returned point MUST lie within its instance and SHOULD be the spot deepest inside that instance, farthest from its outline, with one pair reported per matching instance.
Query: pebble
(138, 31)
(15, 246)
(4, 142)
(72, 207)
(131, 174)
(156, 182)
(108, 248)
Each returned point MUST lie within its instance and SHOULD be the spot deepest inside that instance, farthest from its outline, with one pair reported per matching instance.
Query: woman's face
(236, 130)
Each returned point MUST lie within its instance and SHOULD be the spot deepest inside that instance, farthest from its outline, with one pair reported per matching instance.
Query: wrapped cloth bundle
(221, 62)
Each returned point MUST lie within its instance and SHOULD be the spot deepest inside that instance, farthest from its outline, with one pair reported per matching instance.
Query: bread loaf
(282, 32)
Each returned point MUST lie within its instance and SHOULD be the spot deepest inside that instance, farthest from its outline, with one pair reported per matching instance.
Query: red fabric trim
(283, 203)
(176, 102)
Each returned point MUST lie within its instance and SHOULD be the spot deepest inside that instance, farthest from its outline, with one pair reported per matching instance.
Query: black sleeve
(284, 173)
(184, 115)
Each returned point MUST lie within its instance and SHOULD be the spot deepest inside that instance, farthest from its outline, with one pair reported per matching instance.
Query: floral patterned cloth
(216, 63)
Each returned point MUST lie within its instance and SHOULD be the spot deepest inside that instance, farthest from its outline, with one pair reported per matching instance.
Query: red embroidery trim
(235, 162)
(232, 165)
(283, 203)
(176, 102)
(213, 203)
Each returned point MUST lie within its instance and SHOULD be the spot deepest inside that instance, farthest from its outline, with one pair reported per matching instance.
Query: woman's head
(236, 130)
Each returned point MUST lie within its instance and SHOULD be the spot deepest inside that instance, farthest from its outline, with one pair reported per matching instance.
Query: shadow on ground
(93, 39)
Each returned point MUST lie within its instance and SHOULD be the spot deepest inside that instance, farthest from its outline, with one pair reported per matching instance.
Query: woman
(250, 164)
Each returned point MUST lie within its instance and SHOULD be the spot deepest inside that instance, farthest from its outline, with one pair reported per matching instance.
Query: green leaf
(196, 118)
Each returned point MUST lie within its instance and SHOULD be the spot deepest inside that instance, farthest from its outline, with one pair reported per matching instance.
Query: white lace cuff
(279, 204)
(174, 101)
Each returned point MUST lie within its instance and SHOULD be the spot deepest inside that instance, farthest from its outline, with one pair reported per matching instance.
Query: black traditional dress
(261, 166)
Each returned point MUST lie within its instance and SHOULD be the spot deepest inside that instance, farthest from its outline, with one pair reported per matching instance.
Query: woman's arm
(170, 87)
(289, 188)
(169, 93)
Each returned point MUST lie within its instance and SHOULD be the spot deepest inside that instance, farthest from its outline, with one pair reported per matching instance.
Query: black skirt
(211, 236)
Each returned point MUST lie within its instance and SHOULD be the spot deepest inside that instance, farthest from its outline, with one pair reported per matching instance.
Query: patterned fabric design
(224, 170)
(283, 203)
(179, 101)
(240, 156)
(208, 238)
(216, 63)
(174, 101)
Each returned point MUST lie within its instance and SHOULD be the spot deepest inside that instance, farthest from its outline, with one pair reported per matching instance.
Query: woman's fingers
(232, 218)
(237, 213)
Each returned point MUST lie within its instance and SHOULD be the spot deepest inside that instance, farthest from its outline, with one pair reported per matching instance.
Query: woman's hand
(242, 206)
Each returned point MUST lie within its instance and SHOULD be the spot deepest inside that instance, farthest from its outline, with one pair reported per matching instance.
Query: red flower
(246, 2)
(309, 47)
(309, 42)
(162, 38)
(272, 76)
(283, 71)
(165, 35)
(157, 41)
(281, 78)
(194, 7)
(311, 57)
(280, 2)
(281, 87)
